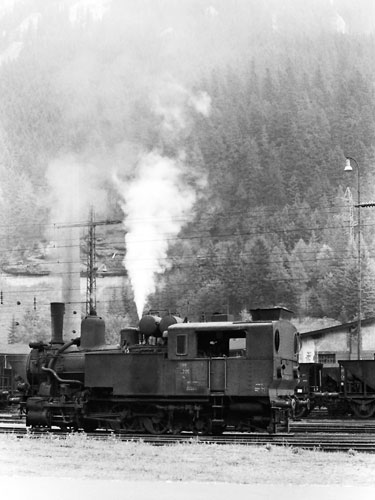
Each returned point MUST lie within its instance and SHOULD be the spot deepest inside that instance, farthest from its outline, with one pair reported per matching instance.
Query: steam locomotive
(166, 375)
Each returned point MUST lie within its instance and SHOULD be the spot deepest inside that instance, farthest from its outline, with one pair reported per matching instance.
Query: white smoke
(75, 186)
(74, 189)
(173, 102)
(201, 102)
(156, 202)
(63, 177)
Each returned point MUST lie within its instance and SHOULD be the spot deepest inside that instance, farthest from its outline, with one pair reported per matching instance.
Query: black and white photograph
(187, 249)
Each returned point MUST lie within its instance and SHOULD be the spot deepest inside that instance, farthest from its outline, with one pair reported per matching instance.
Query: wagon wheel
(363, 409)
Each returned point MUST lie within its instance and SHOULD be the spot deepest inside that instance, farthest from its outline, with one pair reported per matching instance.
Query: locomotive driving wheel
(363, 408)
(124, 420)
(131, 425)
(301, 411)
(202, 426)
(158, 424)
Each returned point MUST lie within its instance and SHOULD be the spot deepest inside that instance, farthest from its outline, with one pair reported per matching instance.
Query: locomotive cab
(251, 367)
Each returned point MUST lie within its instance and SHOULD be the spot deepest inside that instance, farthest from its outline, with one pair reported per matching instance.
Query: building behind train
(337, 372)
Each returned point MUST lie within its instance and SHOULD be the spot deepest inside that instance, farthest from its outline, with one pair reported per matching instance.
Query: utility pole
(91, 267)
(348, 168)
(91, 260)
(348, 195)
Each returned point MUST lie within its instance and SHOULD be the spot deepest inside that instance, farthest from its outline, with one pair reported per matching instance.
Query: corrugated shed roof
(338, 328)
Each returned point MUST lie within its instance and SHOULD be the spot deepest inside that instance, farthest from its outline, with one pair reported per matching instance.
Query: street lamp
(348, 168)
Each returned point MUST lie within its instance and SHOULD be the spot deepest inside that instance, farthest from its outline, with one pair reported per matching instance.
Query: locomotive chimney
(57, 322)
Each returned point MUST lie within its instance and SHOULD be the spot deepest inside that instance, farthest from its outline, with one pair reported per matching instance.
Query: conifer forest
(211, 133)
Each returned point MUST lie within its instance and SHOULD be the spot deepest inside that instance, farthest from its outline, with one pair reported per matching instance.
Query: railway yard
(316, 433)
(300, 459)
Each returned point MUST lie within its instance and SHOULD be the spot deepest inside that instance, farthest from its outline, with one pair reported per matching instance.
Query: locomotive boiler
(167, 375)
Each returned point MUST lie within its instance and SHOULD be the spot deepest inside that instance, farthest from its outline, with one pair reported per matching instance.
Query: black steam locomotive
(166, 375)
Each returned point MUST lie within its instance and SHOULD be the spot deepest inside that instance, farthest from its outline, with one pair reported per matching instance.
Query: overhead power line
(205, 235)
(255, 212)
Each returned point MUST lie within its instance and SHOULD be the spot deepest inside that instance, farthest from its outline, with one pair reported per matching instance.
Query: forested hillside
(217, 131)
(275, 225)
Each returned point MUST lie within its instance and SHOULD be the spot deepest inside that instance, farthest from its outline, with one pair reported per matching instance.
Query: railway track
(327, 425)
(313, 425)
(356, 438)
(317, 441)
(11, 418)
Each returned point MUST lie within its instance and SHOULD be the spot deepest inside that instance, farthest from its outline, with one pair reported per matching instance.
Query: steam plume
(72, 191)
(155, 202)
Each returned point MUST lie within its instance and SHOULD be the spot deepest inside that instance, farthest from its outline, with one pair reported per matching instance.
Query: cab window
(181, 345)
(237, 347)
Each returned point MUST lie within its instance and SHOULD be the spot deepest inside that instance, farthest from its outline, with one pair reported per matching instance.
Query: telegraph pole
(91, 267)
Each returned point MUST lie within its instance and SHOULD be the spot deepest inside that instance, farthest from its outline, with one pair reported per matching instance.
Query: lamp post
(348, 168)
